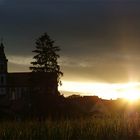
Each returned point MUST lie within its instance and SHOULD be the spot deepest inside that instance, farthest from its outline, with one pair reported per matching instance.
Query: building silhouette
(17, 85)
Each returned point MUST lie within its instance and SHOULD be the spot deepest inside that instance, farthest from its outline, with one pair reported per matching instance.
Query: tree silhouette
(46, 57)
(45, 77)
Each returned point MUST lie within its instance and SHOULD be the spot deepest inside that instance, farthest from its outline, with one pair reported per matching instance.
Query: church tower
(3, 70)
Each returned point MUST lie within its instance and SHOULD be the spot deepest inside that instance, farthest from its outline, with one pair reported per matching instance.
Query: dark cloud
(71, 1)
(96, 37)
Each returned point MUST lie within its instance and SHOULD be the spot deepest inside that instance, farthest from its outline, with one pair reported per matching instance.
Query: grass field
(80, 129)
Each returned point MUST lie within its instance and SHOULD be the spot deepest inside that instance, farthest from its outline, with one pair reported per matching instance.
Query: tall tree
(46, 57)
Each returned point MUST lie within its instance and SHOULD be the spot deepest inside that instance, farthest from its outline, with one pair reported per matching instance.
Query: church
(17, 85)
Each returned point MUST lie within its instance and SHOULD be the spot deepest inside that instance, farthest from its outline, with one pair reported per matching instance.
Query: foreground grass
(80, 129)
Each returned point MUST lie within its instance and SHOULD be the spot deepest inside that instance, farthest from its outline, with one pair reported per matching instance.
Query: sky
(99, 39)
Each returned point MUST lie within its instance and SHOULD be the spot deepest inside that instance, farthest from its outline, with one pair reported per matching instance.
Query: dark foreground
(78, 129)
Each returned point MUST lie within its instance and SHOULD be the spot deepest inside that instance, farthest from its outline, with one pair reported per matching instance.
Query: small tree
(46, 57)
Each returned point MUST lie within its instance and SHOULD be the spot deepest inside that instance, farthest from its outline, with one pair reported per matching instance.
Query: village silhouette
(26, 95)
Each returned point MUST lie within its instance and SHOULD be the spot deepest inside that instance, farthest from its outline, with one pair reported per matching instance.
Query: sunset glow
(129, 91)
(131, 94)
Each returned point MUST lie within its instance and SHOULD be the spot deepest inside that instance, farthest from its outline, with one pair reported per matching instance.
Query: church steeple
(3, 59)
(2, 54)
(3, 70)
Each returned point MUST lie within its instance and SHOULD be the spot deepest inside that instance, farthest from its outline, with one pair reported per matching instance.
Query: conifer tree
(46, 57)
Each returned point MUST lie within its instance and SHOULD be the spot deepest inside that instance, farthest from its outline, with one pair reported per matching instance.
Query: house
(17, 85)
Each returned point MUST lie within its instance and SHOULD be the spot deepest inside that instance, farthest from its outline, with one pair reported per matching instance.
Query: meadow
(77, 129)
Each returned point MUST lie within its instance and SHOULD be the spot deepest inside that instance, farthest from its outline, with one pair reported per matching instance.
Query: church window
(13, 94)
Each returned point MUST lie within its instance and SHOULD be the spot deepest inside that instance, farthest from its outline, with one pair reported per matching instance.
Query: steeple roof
(2, 54)
(1, 45)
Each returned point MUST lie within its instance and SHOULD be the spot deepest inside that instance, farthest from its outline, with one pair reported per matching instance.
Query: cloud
(107, 68)
(18, 63)
(99, 39)
(20, 60)
(71, 1)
